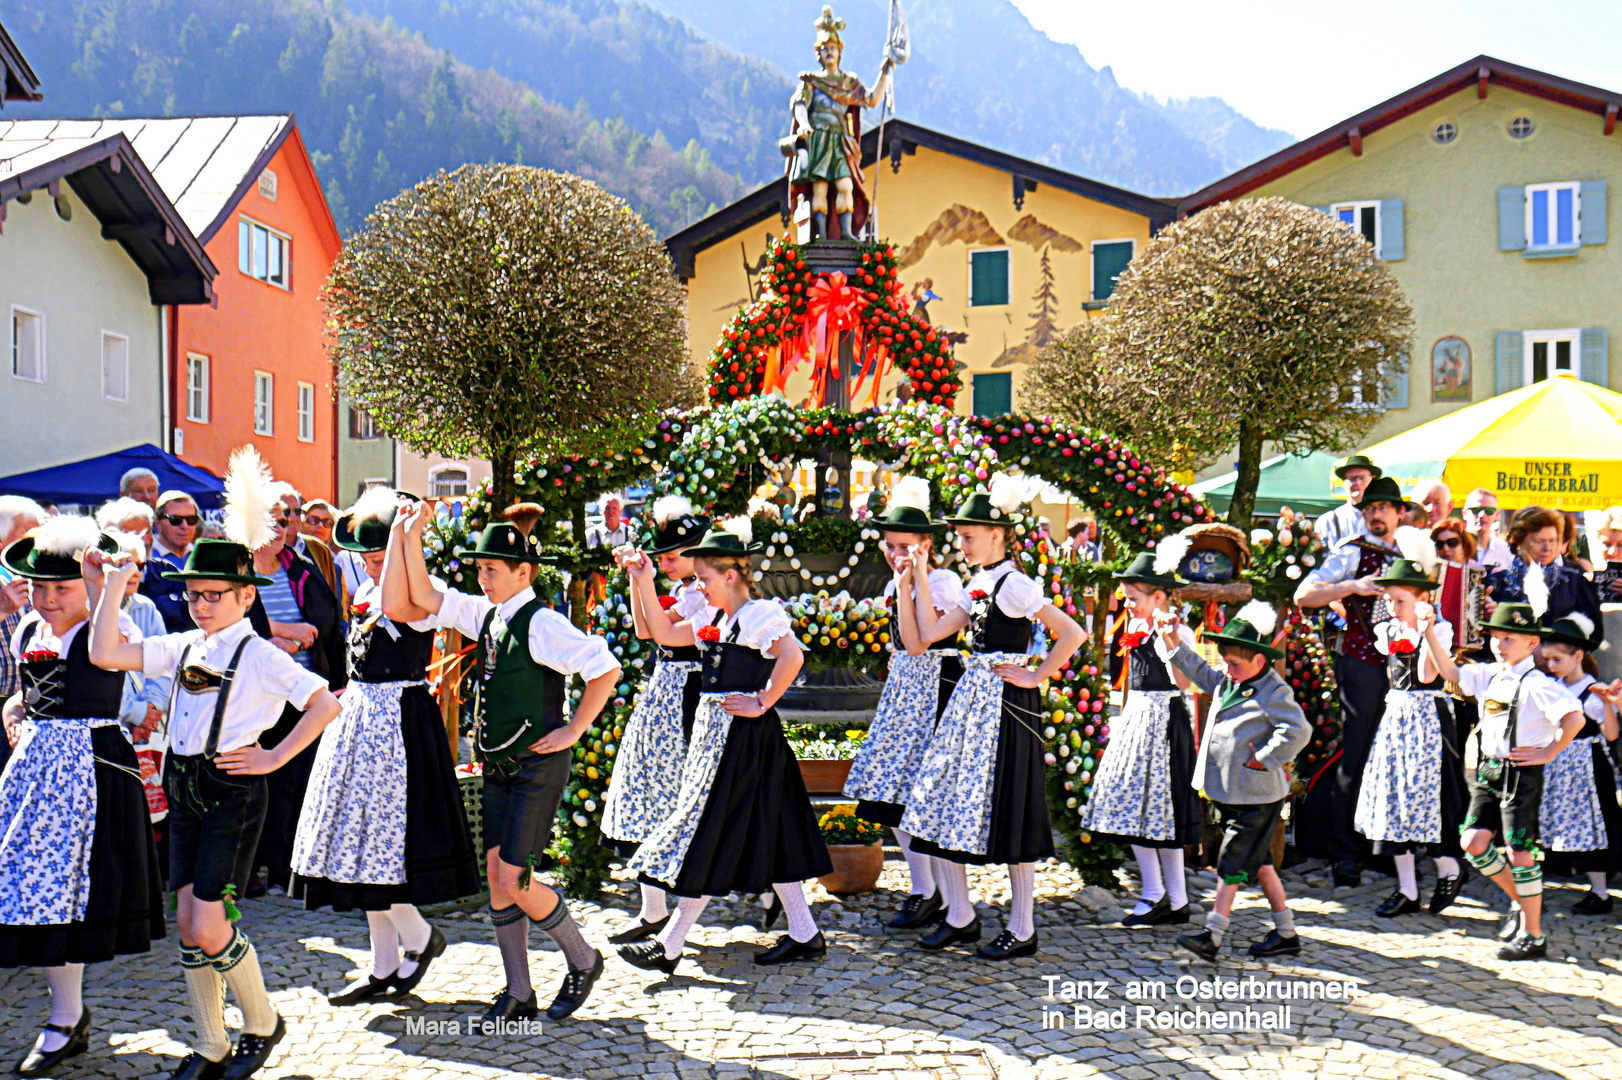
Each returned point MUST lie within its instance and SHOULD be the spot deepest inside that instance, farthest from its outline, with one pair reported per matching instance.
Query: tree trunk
(503, 488)
(577, 518)
(1250, 475)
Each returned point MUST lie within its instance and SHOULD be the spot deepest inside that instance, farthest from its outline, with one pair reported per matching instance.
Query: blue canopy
(93, 481)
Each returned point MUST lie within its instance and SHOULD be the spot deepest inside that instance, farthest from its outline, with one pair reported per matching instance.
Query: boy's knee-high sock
(206, 990)
(512, 938)
(920, 867)
(385, 944)
(1217, 925)
(561, 928)
(1171, 870)
(239, 966)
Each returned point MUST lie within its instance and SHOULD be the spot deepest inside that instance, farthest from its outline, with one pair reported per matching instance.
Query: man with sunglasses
(174, 531)
(1482, 519)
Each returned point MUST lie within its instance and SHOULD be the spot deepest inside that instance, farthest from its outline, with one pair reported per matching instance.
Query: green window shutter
(1511, 219)
(1396, 385)
(994, 394)
(1596, 357)
(988, 278)
(1393, 245)
(1593, 200)
(1108, 262)
(1511, 363)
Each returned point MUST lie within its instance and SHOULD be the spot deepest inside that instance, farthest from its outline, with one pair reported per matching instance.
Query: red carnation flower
(362, 608)
(667, 602)
(709, 633)
(1134, 639)
(34, 656)
(978, 594)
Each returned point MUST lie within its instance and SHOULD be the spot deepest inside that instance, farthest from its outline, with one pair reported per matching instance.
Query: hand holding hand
(248, 761)
(1166, 625)
(415, 517)
(287, 645)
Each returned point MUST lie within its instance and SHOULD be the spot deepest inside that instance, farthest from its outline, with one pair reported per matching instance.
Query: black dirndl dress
(644, 762)
(365, 840)
(73, 751)
(1572, 783)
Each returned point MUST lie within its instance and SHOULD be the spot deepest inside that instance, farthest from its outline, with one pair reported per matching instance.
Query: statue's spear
(897, 47)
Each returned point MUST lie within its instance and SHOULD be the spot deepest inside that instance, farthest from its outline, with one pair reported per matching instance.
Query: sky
(1302, 66)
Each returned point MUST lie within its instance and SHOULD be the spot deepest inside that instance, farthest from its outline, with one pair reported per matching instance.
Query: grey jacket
(1267, 717)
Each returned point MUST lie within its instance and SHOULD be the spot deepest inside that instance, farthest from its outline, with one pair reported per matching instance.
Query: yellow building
(996, 248)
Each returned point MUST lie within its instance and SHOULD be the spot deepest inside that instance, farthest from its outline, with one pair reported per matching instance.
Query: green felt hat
(24, 559)
(906, 519)
(1141, 570)
(1576, 630)
(1406, 572)
(1515, 619)
(1358, 461)
(218, 560)
(504, 540)
(1242, 632)
(720, 542)
(977, 510)
(1382, 489)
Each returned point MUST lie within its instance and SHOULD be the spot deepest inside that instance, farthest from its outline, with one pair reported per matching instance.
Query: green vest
(517, 700)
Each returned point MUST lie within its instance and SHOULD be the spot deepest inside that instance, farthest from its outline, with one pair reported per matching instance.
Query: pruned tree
(500, 311)
(1064, 380)
(1252, 322)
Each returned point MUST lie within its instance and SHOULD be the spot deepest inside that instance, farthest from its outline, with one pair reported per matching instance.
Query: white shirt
(369, 597)
(1497, 556)
(1593, 705)
(945, 591)
(760, 624)
(553, 640)
(1343, 521)
(1021, 597)
(45, 637)
(1544, 702)
(602, 536)
(267, 680)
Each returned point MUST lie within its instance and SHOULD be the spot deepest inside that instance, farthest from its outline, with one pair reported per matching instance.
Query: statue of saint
(825, 143)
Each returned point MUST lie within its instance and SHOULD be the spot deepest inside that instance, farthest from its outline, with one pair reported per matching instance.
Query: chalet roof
(902, 137)
(21, 82)
(1482, 73)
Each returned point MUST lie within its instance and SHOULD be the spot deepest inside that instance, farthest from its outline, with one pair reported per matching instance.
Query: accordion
(1464, 603)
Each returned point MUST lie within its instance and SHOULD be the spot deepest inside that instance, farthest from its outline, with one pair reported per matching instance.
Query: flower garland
(1311, 673)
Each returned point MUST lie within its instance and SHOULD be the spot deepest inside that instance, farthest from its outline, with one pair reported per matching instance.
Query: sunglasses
(213, 596)
(1448, 542)
(180, 519)
(319, 522)
(1481, 511)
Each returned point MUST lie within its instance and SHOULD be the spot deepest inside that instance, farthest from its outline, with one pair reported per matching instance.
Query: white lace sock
(415, 933)
(206, 991)
(1596, 881)
(1171, 869)
(67, 1002)
(1407, 877)
(654, 907)
(1022, 903)
(1149, 870)
(674, 935)
(385, 944)
(1447, 866)
(920, 867)
(954, 882)
(801, 926)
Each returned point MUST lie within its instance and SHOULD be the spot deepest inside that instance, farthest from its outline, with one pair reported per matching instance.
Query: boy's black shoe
(576, 988)
(918, 911)
(1525, 947)
(1277, 944)
(1347, 874)
(1200, 944)
(197, 1067)
(252, 1052)
(649, 956)
(506, 1007)
(638, 932)
(1592, 905)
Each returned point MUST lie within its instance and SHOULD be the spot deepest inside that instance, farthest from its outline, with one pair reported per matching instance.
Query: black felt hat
(1358, 461)
(218, 560)
(365, 526)
(24, 558)
(1576, 630)
(906, 519)
(678, 533)
(504, 540)
(1406, 572)
(1382, 489)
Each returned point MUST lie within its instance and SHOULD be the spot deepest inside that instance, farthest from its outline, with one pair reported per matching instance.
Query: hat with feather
(733, 537)
(1003, 503)
(1158, 568)
(365, 526)
(52, 551)
(1252, 628)
(675, 524)
(1574, 629)
(250, 495)
(909, 509)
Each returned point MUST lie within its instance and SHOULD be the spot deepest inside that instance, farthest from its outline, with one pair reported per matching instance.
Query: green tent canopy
(1301, 483)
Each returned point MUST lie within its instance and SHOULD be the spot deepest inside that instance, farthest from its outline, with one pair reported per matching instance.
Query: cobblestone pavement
(1434, 1000)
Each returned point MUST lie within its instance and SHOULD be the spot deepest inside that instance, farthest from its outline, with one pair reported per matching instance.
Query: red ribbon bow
(667, 602)
(1403, 646)
(709, 633)
(362, 608)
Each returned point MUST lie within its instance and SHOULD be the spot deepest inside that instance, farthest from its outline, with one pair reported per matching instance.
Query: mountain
(981, 71)
(379, 107)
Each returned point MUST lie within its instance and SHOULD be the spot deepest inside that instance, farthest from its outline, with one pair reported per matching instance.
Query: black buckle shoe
(1592, 905)
(505, 1007)
(946, 934)
(1511, 925)
(1150, 917)
(39, 1062)
(1347, 874)
(574, 991)
(649, 956)
(1447, 890)
(638, 932)
(252, 1052)
(918, 911)
(198, 1067)
(1277, 944)
(787, 949)
(1200, 944)
(1005, 946)
(1397, 905)
(363, 991)
(1525, 947)
(436, 945)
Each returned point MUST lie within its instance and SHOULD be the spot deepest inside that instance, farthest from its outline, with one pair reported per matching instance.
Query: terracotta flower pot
(856, 868)
(824, 777)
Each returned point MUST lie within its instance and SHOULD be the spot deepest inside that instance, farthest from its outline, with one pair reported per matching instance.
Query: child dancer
(526, 653)
(1412, 798)
(232, 686)
(1142, 795)
(78, 875)
(922, 676)
(1527, 719)
(647, 770)
(1252, 736)
(383, 828)
(742, 821)
(1581, 821)
(979, 795)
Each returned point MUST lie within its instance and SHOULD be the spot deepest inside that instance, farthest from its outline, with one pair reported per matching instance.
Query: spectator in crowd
(1608, 579)
(1482, 517)
(348, 570)
(125, 514)
(18, 515)
(1437, 500)
(175, 529)
(612, 533)
(1454, 543)
(49, 506)
(140, 484)
(1346, 520)
(1576, 553)
(303, 545)
(1082, 544)
(1538, 535)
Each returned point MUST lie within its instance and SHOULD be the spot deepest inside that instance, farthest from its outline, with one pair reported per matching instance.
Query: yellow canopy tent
(1556, 443)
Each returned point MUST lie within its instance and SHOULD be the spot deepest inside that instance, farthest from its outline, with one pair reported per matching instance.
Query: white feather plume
(911, 491)
(376, 503)
(1536, 588)
(1417, 547)
(130, 544)
(1007, 494)
(1169, 553)
(66, 535)
(1260, 614)
(250, 493)
(668, 508)
(741, 527)
(1581, 622)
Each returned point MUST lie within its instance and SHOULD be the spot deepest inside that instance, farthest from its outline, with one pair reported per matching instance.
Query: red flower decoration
(709, 633)
(1134, 639)
(667, 602)
(362, 608)
(1402, 646)
(34, 656)
(978, 594)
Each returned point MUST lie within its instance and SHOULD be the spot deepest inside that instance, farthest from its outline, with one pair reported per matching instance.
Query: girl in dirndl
(1580, 819)
(1412, 799)
(383, 827)
(920, 682)
(647, 769)
(78, 873)
(1142, 795)
(742, 821)
(979, 795)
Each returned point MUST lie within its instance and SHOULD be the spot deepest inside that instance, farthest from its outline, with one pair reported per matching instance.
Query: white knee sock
(385, 944)
(1022, 903)
(674, 935)
(67, 1001)
(801, 926)
(206, 991)
(1171, 870)
(1407, 878)
(920, 867)
(1596, 881)
(1148, 869)
(414, 931)
(654, 907)
(953, 879)
(1447, 866)
(238, 964)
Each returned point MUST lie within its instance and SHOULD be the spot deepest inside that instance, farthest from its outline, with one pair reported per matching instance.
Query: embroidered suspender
(226, 679)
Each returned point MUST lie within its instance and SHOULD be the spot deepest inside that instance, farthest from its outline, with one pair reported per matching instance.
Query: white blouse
(945, 591)
(1020, 598)
(1593, 705)
(760, 623)
(690, 602)
(1142, 626)
(370, 594)
(1383, 632)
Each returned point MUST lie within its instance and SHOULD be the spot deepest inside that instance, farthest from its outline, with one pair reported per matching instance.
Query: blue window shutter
(1392, 242)
(1511, 218)
(1596, 359)
(1511, 362)
(1593, 192)
(1396, 385)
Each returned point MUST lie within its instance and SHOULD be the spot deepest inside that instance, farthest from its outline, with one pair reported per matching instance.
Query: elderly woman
(128, 515)
(1538, 536)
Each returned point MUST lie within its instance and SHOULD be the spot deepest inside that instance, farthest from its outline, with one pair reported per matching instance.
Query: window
(1360, 217)
(264, 412)
(994, 394)
(1110, 257)
(115, 366)
(988, 277)
(1553, 216)
(267, 185)
(262, 253)
(306, 412)
(1444, 133)
(447, 481)
(1546, 353)
(27, 344)
(196, 388)
(1521, 127)
(361, 425)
